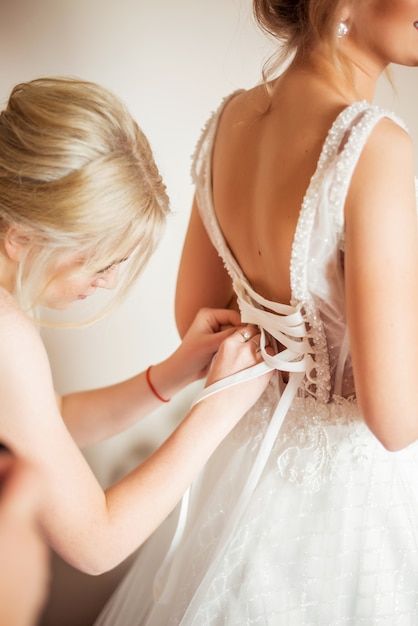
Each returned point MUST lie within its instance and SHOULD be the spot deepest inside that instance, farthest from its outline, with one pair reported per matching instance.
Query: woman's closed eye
(112, 266)
(108, 269)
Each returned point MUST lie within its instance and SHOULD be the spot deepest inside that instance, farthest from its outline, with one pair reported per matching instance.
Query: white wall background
(171, 62)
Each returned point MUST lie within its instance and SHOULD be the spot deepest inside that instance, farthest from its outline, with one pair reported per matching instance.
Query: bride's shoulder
(390, 140)
(255, 99)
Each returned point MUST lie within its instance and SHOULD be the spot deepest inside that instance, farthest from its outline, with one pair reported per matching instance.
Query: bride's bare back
(266, 151)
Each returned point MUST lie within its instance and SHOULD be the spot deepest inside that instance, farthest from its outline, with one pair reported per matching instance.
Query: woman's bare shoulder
(388, 134)
(12, 318)
(385, 167)
(27, 398)
(247, 102)
(20, 340)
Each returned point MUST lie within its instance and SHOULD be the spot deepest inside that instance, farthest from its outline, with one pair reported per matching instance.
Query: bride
(305, 219)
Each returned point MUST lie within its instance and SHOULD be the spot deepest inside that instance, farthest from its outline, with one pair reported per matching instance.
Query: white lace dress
(301, 517)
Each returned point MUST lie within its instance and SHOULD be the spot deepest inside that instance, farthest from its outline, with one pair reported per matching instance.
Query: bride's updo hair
(298, 24)
(77, 175)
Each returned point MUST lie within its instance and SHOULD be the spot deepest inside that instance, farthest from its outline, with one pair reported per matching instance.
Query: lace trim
(318, 439)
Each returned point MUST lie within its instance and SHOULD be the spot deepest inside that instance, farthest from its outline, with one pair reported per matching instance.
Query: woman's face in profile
(385, 30)
(70, 281)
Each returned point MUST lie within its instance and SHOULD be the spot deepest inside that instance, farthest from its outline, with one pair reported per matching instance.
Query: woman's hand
(192, 359)
(238, 352)
(201, 342)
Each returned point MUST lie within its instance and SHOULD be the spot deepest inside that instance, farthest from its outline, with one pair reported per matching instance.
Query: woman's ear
(15, 243)
(345, 12)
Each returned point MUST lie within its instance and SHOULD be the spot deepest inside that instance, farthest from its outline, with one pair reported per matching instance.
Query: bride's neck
(352, 77)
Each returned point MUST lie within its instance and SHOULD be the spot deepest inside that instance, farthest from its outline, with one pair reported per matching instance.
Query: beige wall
(171, 62)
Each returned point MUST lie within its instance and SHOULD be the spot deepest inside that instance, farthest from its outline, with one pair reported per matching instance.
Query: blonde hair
(77, 174)
(298, 25)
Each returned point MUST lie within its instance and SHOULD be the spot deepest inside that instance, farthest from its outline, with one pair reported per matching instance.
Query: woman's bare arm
(202, 278)
(381, 267)
(97, 414)
(91, 529)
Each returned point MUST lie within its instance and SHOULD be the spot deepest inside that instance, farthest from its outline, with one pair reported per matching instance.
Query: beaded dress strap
(349, 152)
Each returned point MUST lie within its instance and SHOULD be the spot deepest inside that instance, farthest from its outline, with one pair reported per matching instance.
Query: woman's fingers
(239, 351)
(217, 320)
(247, 332)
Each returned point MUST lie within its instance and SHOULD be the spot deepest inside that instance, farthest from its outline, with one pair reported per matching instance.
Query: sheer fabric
(318, 526)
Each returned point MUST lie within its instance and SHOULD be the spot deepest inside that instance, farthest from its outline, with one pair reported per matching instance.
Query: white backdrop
(171, 62)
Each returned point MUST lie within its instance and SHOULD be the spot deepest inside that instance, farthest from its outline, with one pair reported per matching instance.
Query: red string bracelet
(153, 389)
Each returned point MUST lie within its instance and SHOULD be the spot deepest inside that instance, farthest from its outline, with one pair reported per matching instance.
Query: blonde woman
(80, 196)
(305, 218)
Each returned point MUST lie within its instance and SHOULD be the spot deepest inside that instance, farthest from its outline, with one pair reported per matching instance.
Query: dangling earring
(342, 30)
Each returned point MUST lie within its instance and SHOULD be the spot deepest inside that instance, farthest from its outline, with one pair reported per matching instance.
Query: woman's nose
(108, 279)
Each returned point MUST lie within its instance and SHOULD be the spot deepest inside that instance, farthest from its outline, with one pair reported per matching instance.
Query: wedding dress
(301, 517)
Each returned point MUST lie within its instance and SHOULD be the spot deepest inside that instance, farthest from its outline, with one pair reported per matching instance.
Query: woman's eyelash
(108, 268)
(112, 265)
